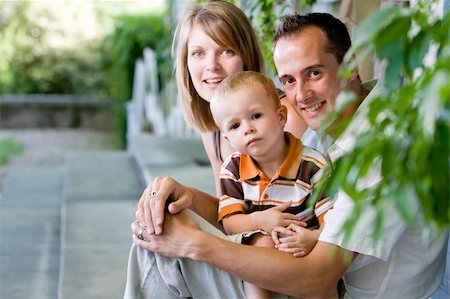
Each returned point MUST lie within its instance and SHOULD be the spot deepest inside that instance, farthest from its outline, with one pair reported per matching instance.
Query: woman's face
(208, 63)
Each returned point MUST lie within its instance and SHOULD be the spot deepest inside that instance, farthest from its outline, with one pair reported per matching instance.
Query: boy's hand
(268, 219)
(295, 239)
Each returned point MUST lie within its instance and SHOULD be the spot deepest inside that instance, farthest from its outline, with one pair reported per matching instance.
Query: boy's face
(250, 120)
(308, 74)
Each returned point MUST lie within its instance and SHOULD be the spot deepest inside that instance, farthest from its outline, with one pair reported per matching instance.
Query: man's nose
(303, 92)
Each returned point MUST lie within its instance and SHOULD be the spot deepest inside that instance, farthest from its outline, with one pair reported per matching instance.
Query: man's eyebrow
(283, 77)
(306, 69)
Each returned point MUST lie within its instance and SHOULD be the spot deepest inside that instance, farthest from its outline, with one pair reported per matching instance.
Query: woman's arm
(153, 201)
(208, 144)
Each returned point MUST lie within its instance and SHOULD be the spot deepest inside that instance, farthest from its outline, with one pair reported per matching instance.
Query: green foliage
(130, 36)
(9, 147)
(29, 65)
(410, 125)
(56, 71)
(264, 14)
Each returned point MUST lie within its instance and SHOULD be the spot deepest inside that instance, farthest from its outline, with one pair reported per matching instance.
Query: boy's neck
(270, 165)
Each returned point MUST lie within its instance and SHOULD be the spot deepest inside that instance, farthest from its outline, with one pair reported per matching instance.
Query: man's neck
(357, 88)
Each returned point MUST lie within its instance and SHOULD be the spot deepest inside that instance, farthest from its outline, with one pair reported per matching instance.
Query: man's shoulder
(313, 155)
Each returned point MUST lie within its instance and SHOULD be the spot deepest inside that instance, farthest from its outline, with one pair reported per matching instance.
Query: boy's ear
(282, 115)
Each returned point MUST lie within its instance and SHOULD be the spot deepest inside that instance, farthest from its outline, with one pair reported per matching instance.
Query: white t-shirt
(407, 262)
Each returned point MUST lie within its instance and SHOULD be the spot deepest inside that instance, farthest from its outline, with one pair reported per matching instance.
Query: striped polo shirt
(245, 188)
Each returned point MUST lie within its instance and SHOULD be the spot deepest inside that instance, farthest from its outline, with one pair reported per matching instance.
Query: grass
(9, 147)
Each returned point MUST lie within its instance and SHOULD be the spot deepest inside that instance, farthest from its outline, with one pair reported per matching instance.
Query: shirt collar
(249, 170)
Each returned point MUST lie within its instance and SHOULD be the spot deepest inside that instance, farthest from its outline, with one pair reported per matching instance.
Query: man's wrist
(203, 246)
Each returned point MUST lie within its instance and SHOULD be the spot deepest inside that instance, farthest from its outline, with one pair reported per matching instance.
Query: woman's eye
(228, 52)
(196, 53)
(256, 115)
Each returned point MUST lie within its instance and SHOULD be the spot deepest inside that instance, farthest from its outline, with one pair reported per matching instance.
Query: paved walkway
(67, 204)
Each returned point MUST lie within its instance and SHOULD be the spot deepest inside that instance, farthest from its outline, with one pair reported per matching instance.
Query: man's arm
(315, 275)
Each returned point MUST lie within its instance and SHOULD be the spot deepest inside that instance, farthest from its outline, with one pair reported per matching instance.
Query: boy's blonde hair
(248, 79)
(229, 27)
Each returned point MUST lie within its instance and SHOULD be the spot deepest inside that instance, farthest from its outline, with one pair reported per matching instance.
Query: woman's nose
(213, 63)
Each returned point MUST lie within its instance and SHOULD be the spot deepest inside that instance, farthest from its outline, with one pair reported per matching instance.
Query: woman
(212, 41)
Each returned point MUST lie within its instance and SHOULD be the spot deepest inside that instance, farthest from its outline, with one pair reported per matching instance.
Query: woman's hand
(268, 219)
(179, 231)
(164, 191)
(295, 239)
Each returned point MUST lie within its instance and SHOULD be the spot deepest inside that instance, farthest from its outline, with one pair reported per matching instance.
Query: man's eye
(314, 74)
(256, 115)
(288, 81)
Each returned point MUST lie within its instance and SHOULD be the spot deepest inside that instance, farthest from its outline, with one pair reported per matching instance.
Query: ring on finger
(140, 232)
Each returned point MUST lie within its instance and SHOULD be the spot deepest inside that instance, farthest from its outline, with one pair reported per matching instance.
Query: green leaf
(374, 24)
(429, 110)
(417, 49)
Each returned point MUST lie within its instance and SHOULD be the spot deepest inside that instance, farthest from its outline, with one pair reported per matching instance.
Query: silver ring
(139, 234)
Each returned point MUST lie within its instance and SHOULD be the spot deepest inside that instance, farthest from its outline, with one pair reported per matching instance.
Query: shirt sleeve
(232, 195)
(361, 239)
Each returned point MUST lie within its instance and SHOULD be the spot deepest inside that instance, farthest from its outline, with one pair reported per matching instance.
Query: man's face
(308, 74)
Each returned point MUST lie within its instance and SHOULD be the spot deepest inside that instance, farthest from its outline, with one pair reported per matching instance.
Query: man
(405, 263)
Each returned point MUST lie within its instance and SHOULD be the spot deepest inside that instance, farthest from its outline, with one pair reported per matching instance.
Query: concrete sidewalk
(65, 222)
(184, 159)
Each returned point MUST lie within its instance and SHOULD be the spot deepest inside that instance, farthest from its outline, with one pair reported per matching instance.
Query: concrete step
(184, 159)
(30, 232)
(101, 191)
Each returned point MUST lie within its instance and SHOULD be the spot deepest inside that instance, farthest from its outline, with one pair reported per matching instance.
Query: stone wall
(55, 111)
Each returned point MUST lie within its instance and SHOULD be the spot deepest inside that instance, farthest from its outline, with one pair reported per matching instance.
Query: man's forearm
(313, 276)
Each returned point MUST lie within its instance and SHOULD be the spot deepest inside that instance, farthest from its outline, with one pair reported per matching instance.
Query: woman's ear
(282, 115)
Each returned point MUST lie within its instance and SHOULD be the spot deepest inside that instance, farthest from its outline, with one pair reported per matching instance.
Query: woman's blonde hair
(229, 27)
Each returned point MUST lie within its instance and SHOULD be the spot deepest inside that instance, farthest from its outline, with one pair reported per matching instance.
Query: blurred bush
(131, 34)
(31, 62)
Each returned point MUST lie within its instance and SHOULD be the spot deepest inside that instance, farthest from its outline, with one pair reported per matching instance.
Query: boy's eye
(234, 126)
(256, 115)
